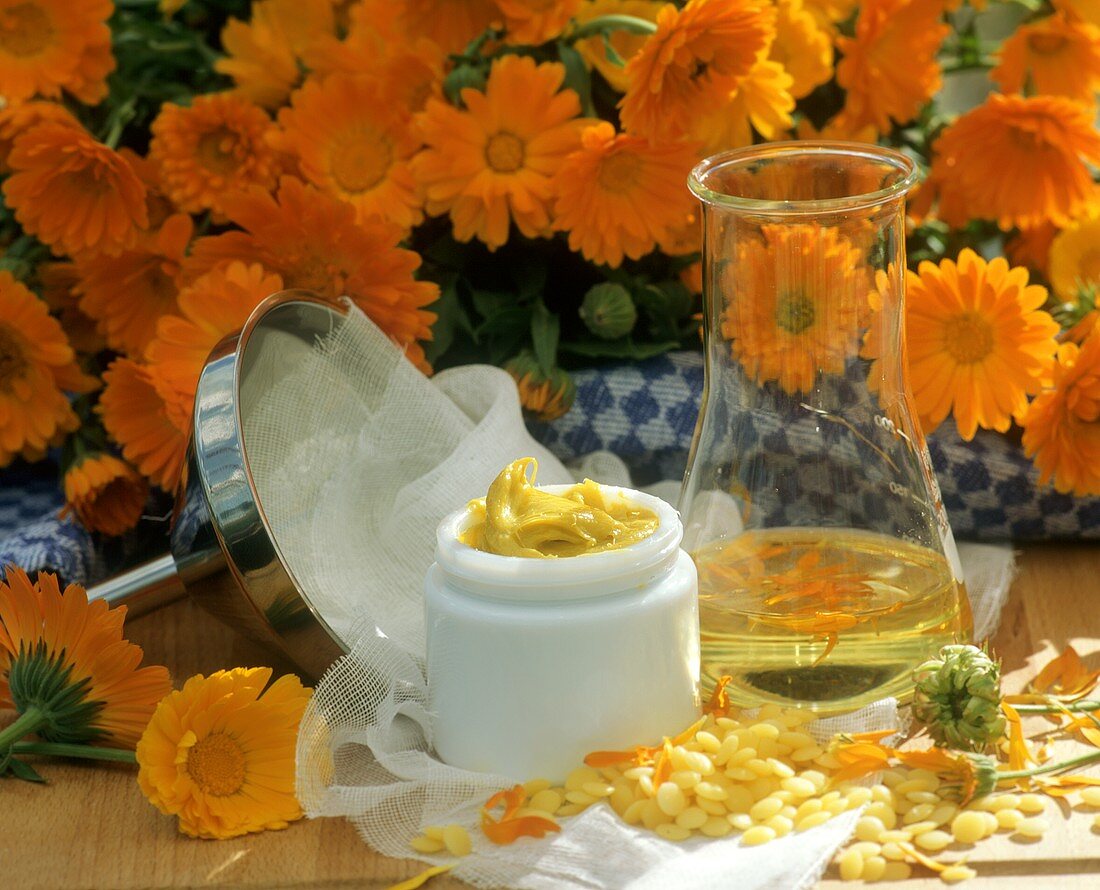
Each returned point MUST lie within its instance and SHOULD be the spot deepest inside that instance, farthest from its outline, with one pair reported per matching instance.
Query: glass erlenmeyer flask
(827, 569)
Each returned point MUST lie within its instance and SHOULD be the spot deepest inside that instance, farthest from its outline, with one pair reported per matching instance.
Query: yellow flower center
(25, 30)
(619, 172)
(361, 160)
(219, 152)
(968, 338)
(1046, 44)
(504, 152)
(216, 765)
(1088, 267)
(794, 313)
(13, 361)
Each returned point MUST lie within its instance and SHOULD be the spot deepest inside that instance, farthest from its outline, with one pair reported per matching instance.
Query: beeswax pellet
(968, 827)
(670, 798)
(547, 800)
(934, 840)
(426, 844)
(758, 834)
(672, 832)
(764, 809)
(1009, 818)
(692, 818)
(1090, 796)
(897, 871)
(851, 865)
(869, 828)
(873, 868)
(1034, 803)
(1033, 826)
(457, 840)
(716, 826)
(955, 873)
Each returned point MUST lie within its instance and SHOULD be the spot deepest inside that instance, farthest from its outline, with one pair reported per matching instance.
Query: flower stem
(86, 752)
(1057, 709)
(31, 720)
(605, 23)
(1091, 757)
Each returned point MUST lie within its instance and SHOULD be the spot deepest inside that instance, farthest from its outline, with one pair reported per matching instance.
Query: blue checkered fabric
(645, 412)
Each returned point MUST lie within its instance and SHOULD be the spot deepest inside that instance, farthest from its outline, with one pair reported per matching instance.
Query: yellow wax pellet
(795, 740)
(758, 834)
(828, 760)
(918, 813)
(636, 772)
(893, 777)
(806, 753)
(716, 826)
(740, 821)
(780, 769)
(598, 789)
(836, 806)
(426, 844)
(742, 756)
(698, 762)
(780, 824)
(763, 786)
(622, 797)
(764, 809)
(783, 795)
(968, 827)
(1035, 803)
(921, 827)
(670, 798)
(897, 871)
(994, 802)
(692, 818)
(873, 868)
(571, 809)
(1096, 822)
(925, 775)
(546, 800)
(759, 766)
(708, 741)
(435, 832)
(851, 865)
(711, 791)
(672, 832)
(653, 815)
(799, 786)
(883, 812)
(943, 814)
(534, 786)
(934, 840)
(713, 807)
(895, 836)
(457, 840)
(766, 731)
(1090, 796)
(893, 852)
(580, 797)
(1009, 818)
(740, 799)
(819, 779)
(857, 797)
(955, 873)
(740, 774)
(813, 805)
(910, 785)
(576, 779)
(991, 825)
(866, 848)
(633, 813)
(1033, 826)
(923, 797)
(788, 812)
(882, 794)
(813, 820)
(685, 778)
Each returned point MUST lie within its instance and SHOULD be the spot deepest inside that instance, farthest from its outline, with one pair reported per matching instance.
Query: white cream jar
(533, 663)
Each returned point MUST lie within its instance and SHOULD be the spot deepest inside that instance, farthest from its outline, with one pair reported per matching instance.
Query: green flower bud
(958, 698)
(544, 397)
(462, 77)
(608, 311)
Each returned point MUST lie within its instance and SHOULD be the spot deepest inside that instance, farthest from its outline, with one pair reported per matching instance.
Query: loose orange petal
(421, 879)
(1019, 755)
(719, 701)
(512, 830)
(1065, 677)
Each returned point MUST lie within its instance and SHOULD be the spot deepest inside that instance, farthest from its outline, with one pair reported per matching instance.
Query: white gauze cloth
(356, 457)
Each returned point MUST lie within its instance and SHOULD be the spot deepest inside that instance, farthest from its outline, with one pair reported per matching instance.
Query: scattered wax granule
(715, 826)
(874, 867)
(758, 834)
(546, 800)
(934, 840)
(869, 828)
(673, 832)
(866, 848)
(781, 825)
(598, 789)
(883, 812)
(426, 844)
(580, 797)
(1034, 803)
(813, 820)
(534, 786)
(1089, 797)
(955, 873)
(435, 832)
(968, 827)
(671, 799)
(1033, 826)
(708, 741)
(764, 809)
(692, 818)
(1096, 822)
(457, 840)
(897, 871)
(1009, 819)
(851, 865)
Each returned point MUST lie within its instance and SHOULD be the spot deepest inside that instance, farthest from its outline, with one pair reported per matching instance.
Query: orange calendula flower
(352, 141)
(798, 297)
(311, 240)
(544, 396)
(762, 101)
(692, 63)
(37, 366)
(451, 24)
(1031, 248)
(214, 305)
(978, 342)
(619, 195)
(47, 46)
(860, 754)
(219, 753)
(536, 21)
(493, 163)
(510, 827)
(72, 192)
(15, 120)
(126, 294)
(830, 13)
(624, 43)
(216, 145)
(1046, 141)
(1062, 423)
(1065, 678)
(1083, 10)
(1057, 55)
(79, 680)
(1075, 258)
(106, 494)
(889, 67)
(262, 54)
(135, 412)
(802, 47)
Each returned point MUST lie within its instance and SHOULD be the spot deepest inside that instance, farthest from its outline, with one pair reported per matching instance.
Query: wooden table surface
(91, 827)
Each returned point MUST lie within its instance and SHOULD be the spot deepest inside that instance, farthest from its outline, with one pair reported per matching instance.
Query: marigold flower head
(692, 63)
(312, 241)
(106, 494)
(536, 21)
(624, 43)
(830, 13)
(493, 162)
(73, 193)
(1031, 248)
(1061, 56)
(1062, 424)
(889, 67)
(216, 145)
(1040, 145)
(619, 195)
(134, 408)
(978, 342)
(219, 753)
(1075, 258)
(797, 296)
(544, 396)
(802, 46)
(957, 697)
(1084, 10)
(352, 141)
(761, 101)
(17, 119)
(37, 365)
(47, 46)
(451, 24)
(66, 659)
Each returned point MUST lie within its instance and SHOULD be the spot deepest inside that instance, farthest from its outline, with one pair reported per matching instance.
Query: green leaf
(24, 771)
(620, 349)
(490, 303)
(545, 330)
(577, 77)
(610, 52)
(510, 321)
(451, 318)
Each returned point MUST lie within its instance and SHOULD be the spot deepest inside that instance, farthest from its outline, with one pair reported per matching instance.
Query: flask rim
(908, 170)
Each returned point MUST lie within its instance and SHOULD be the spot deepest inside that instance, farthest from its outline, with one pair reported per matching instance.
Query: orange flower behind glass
(106, 494)
(1060, 56)
(72, 192)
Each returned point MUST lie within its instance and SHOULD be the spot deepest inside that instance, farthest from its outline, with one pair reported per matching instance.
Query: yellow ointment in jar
(517, 519)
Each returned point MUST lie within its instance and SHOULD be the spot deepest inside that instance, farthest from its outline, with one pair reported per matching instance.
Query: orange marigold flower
(620, 195)
(978, 342)
(214, 305)
(352, 141)
(312, 241)
(1084, 10)
(73, 663)
(889, 67)
(1062, 424)
(15, 120)
(830, 13)
(72, 192)
(544, 397)
(262, 55)
(1075, 258)
(536, 21)
(126, 294)
(1060, 56)
(106, 494)
(762, 101)
(624, 43)
(214, 146)
(493, 162)
(798, 295)
(692, 62)
(1031, 248)
(219, 753)
(37, 366)
(50, 45)
(1040, 144)
(802, 46)
(451, 24)
(134, 409)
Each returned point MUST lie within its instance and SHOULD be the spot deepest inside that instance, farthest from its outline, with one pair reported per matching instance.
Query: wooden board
(91, 827)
